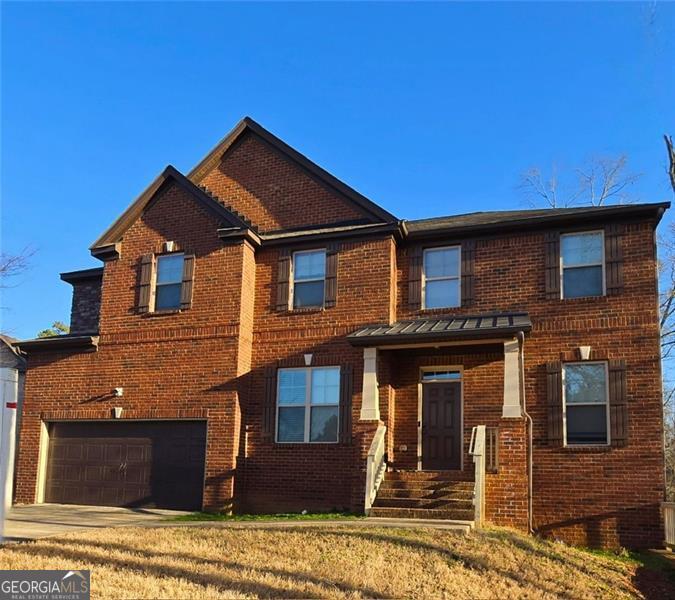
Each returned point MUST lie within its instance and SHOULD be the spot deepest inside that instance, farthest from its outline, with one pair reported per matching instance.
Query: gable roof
(114, 233)
(248, 125)
(508, 219)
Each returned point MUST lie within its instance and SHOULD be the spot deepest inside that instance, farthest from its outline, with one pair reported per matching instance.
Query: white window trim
(155, 283)
(308, 403)
(458, 277)
(291, 291)
(595, 264)
(607, 414)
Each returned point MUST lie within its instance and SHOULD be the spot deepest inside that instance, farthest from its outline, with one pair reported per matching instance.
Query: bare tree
(600, 181)
(671, 159)
(12, 265)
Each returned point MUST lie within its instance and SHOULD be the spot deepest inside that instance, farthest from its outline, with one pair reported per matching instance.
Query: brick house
(263, 338)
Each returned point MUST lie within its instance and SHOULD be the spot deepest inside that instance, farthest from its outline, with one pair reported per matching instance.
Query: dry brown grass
(324, 562)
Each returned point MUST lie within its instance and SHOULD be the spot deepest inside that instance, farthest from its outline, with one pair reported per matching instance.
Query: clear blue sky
(427, 109)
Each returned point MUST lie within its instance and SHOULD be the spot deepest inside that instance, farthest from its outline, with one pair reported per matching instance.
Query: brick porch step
(429, 476)
(444, 492)
(422, 513)
(426, 486)
(426, 503)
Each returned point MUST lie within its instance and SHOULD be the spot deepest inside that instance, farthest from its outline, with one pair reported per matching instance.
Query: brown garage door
(142, 463)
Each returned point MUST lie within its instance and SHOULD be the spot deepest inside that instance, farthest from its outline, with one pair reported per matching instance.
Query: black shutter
(618, 403)
(468, 261)
(346, 390)
(145, 282)
(283, 280)
(330, 299)
(415, 277)
(186, 287)
(613, 259)
(554, 402)
(552, 265)
(269, 403)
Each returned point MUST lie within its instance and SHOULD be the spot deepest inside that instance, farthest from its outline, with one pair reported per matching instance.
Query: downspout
(530, 426)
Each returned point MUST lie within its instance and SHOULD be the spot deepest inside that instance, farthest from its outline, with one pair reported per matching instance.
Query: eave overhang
(565, 218)
(79, 342)
(82, 275)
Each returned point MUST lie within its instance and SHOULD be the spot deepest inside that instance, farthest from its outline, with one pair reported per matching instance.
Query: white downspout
(521, 356)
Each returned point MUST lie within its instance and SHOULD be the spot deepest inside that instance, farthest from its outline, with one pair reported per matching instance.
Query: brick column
(506, 500)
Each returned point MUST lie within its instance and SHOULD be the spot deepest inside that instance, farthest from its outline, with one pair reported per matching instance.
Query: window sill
(584, 299)
(309, 309)
(587, 448)
(163, 313)
(305, 444)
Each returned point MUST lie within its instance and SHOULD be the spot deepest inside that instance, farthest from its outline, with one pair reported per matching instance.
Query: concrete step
(425, 494)
(425, 503)
(422, 513)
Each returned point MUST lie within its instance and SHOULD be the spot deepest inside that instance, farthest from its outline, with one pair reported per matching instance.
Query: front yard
(334, 562)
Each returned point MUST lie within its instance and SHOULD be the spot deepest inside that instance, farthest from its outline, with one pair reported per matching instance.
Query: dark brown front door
(141, 463)
(441, 426)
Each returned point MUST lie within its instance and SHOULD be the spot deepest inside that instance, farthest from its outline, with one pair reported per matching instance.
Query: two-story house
(263, 338)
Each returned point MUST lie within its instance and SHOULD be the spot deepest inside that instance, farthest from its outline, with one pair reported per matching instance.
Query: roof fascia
(103, 247)
(655, 211)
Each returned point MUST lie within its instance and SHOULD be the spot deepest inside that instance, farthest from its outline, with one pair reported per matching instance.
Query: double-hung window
(169, 281)
(585, 401)
(307, 404)
(441, 287)
(582, 264)
(309, 277)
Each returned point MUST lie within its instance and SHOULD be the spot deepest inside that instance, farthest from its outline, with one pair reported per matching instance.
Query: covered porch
(432, 384)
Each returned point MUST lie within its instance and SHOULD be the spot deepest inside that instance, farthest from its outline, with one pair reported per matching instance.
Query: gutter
(521, 360)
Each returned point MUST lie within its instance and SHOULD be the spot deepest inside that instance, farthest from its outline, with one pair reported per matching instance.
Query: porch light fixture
(584, 352)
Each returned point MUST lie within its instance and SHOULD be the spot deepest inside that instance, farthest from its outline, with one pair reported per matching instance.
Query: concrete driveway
(32, 521)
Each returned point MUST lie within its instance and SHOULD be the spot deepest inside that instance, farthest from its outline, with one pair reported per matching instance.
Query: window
(582, 263)
(441, 375)
(585, 402)
(309, 274)
(441, 277)
(169, 281)
(307, 404)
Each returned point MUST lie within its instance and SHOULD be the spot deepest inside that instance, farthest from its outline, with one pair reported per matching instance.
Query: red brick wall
(258, 182)
(211, 358)
(315, 476)
(167, 364)
(482, 393)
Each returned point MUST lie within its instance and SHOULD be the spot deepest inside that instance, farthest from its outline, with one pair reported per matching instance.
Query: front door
(441, 426)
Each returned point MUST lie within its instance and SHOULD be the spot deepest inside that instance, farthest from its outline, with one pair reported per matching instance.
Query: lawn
(332, 562)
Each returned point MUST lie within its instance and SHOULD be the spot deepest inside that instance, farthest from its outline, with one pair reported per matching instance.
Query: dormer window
(169, 281)
(441, 286)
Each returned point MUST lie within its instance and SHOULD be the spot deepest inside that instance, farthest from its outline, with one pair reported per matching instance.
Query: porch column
(370, 399)
(512, 405)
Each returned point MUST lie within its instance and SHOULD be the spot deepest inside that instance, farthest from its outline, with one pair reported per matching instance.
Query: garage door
(143, 463)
